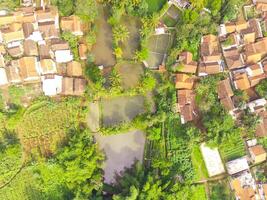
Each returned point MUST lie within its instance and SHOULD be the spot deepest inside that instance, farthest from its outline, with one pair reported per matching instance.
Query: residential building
(185, 63)
(257, 153)
(184, 81)
(72, 24)
(51, 84)
(83, 51)
(28, 69)
(74, 68)
(241, 81)
(3, 77)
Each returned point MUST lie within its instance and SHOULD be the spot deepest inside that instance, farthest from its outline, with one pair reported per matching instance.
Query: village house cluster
(32, 51)
(240, 51)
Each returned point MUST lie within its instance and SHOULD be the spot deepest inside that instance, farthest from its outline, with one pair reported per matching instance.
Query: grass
(155, 5)
(168, 21)
(220, 190)
(198, 164)
(232, 150)
(198, 192)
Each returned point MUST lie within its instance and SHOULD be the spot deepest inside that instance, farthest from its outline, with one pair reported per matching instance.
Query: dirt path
(93, 118)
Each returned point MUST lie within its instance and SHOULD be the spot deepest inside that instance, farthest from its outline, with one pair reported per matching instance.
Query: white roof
(52, 86)
(63, 56)
(212, 160)
(36, 36)
(3, 77)
(237, 165)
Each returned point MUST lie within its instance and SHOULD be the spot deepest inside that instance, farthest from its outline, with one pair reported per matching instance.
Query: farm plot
(233, 150)
(121, 109)
(158, 46)
(44, 126)
(130, 74)
(121, 150)
(129, 47)
(102, 50)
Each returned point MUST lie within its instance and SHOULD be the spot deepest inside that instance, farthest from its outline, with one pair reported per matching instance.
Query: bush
(261, 88)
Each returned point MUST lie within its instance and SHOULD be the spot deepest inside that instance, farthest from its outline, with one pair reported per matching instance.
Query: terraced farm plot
(45, 124)
(231, 152)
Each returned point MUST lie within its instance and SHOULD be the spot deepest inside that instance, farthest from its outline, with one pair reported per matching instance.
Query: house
(12, 33)
(44, 51)
(231, 27)
(254, 70)
(184, 81)
(28, 29)
(233, 59)
(257, 153)
(255, 51)
(256, 105)
(260, 5)
(83, 51)
(256, 26)
(79, 86)
(225, 93)
(254, 80)
(209, 68)
(186, 105)
(248, 35)
(72, 24)
(48, 29)
(15, 51)
(30, 48)
(28, 69)
(241, 81)
(237, 165)
(13, 72)
(3, 77)
(60, 51)
(51, 84)
(73, 86)
(47, 66)
(210, 49)
(74, 68)
(49, 14)
(185, 63)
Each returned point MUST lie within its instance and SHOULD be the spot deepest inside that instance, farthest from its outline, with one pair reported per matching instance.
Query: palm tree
(120, 34)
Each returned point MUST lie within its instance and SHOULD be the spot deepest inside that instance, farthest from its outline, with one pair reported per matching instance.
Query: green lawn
(198, 192)
(155, 5)
(198, 164)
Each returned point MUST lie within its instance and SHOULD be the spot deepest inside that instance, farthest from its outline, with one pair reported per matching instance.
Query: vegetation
(9, 4)
(73, 42)
(155, 6)
(221, 191)
(261, 88)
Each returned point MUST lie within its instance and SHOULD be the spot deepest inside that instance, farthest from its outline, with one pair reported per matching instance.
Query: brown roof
(264, 186)
(83, 51)
(13, 72)
(44, 51)
(71, 23)
(254, 24)
(13, 32)
(187, 113)
(186, 63)
(59, 45)
(261, 6)
(210, 49)
(209, 68)
(256, 79)
(79, 86)
(258, 49)
(183, 81)
(48, 66)
(67, 86)
(241, 81)
(249, 35)
(27, 29)
(15, 51)
(48, 29)
(27, 67)
(48, 14)
(224, 89)
(74, 68)
(257, 150)
(227, 103)
(255, 69)
(30, 48)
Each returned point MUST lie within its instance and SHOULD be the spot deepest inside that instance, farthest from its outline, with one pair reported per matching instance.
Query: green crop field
(233, 150)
